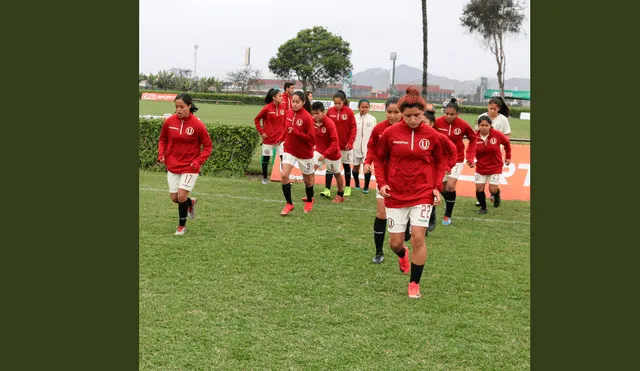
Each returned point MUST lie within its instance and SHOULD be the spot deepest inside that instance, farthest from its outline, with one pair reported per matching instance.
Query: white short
(306, 165)
(378, 195)
(357, 161)
(267, 149)
(493, 179)
(332, 165)
(347, 156)
(397, 218)
(181, 181)
(455, 172)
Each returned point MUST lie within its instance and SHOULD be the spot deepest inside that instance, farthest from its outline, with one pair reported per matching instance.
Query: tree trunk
(425, 52)
(502, 67)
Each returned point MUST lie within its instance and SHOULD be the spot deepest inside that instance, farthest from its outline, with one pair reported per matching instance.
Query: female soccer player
(327, 146)
(455, 128)
(489, 164)
(272, 116)
(299, 141)
(288, 95)
(380, 223)
(410, 165)
(365, 122)
(179, 148)
(345, 122)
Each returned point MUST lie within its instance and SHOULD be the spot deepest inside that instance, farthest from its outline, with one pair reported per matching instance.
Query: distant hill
(379, 79)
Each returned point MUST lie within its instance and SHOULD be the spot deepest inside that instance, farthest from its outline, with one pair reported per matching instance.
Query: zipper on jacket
(450, 125)
(181, 123)
(412, 132)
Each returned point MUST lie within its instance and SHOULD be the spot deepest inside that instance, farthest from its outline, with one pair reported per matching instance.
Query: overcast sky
(375, 28)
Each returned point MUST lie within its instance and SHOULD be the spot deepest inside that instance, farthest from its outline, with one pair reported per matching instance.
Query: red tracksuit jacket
(411, 162)
(455, 132)
(488, 152)
(449, 150)
(180, 142)
(345, 125)
(327, 139)
(301, 140)
(286, 100)
(273, 121)
(374, 139)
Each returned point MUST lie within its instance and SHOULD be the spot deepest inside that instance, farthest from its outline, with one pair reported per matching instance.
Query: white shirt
(500, 123)
(365, 125)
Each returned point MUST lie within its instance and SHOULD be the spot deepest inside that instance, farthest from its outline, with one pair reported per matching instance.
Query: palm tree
(151, 79)
(425, 52)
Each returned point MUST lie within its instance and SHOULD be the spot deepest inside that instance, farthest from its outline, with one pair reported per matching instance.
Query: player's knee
(182, 198)
(450, 188)
(174, 197)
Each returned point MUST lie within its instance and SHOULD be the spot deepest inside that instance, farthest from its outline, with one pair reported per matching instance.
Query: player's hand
(507, 162)
(196, 166)
(347, 147)
(264, 136)
(321, 158)
(437, 197)
(161, 159)
(290, 129)
(448, 172)
(367, 168)
(384, 191)
(471, 164)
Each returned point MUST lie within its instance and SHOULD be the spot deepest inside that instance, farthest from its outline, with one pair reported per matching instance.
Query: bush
(243, 99)
(233, 148)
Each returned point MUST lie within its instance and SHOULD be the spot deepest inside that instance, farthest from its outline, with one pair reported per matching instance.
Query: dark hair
(412, 99)
(306, 105)
(391, 100)
(340, 94)
(452, 103)
(484, 118)
(363, 101)
(287, 85)
(307, 92)
(317, 106)
(188, 100)
(270, 95)
(502, 105)
(430, 116)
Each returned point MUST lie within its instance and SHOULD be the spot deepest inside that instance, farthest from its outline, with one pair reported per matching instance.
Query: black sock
(347, 175)
(402, 253)
(328, 178)
(265, 165)
(450, 198)
(309, 191)
(482, 199)
(189, 203)
(497, 194)
(367, 179)
(286, 191)
(407, 232)
(341, 193)
(182, 213)
(416, 272)
(379, 229)
(356, 177)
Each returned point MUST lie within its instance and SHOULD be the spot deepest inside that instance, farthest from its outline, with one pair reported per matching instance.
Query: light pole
(393, 57)
(195, 64)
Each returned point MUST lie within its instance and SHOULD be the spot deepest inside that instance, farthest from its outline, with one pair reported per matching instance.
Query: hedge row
(243, 99)
(233, 148)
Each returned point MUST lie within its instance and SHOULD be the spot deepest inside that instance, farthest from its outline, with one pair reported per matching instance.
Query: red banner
(514, 182)
(158, 96)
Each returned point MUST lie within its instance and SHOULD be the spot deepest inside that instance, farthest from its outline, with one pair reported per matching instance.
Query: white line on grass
(346, 208)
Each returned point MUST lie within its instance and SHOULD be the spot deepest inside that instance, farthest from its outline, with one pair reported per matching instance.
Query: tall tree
(315, 55)
(425, 51)
(141, 77)
(164, 80)
(493, 20)
(245, 78)
(151, 79)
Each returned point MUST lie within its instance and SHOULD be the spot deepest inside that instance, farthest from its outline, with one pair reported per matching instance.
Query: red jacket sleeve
(353, 129)
(162, 142)
(305, 132)
(440, 163)
(450, 151)
(507, 147)
(471, 147)
(371, 147)
(205, 141)
(261, 116)
(381, 159)
(333, 134)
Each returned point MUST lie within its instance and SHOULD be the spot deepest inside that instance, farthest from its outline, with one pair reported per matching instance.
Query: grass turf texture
(248, 289)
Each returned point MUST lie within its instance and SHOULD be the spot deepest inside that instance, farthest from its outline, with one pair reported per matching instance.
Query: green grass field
(246, 289)
(244, 115)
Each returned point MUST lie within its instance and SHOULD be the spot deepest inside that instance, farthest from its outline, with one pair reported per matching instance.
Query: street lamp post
(195, 64)
(393, 57)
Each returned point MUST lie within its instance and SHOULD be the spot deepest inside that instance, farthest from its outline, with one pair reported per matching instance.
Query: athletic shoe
(265, 181)
(496, 200)
(414, 290)
(432, 221)
(491, 197)
(338, 199)
(308, 206)
(357, 188)
(181, 230)
(379, 258)
(478, 203)
(365, 191)
(446, 221)
(326, 193)
(347, 191)
(481, 211)
(304, 199)
(287, 209)
(405, 265)
(191, 212)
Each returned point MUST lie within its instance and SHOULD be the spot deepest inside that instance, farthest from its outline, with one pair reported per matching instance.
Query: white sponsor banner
(375, 107)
